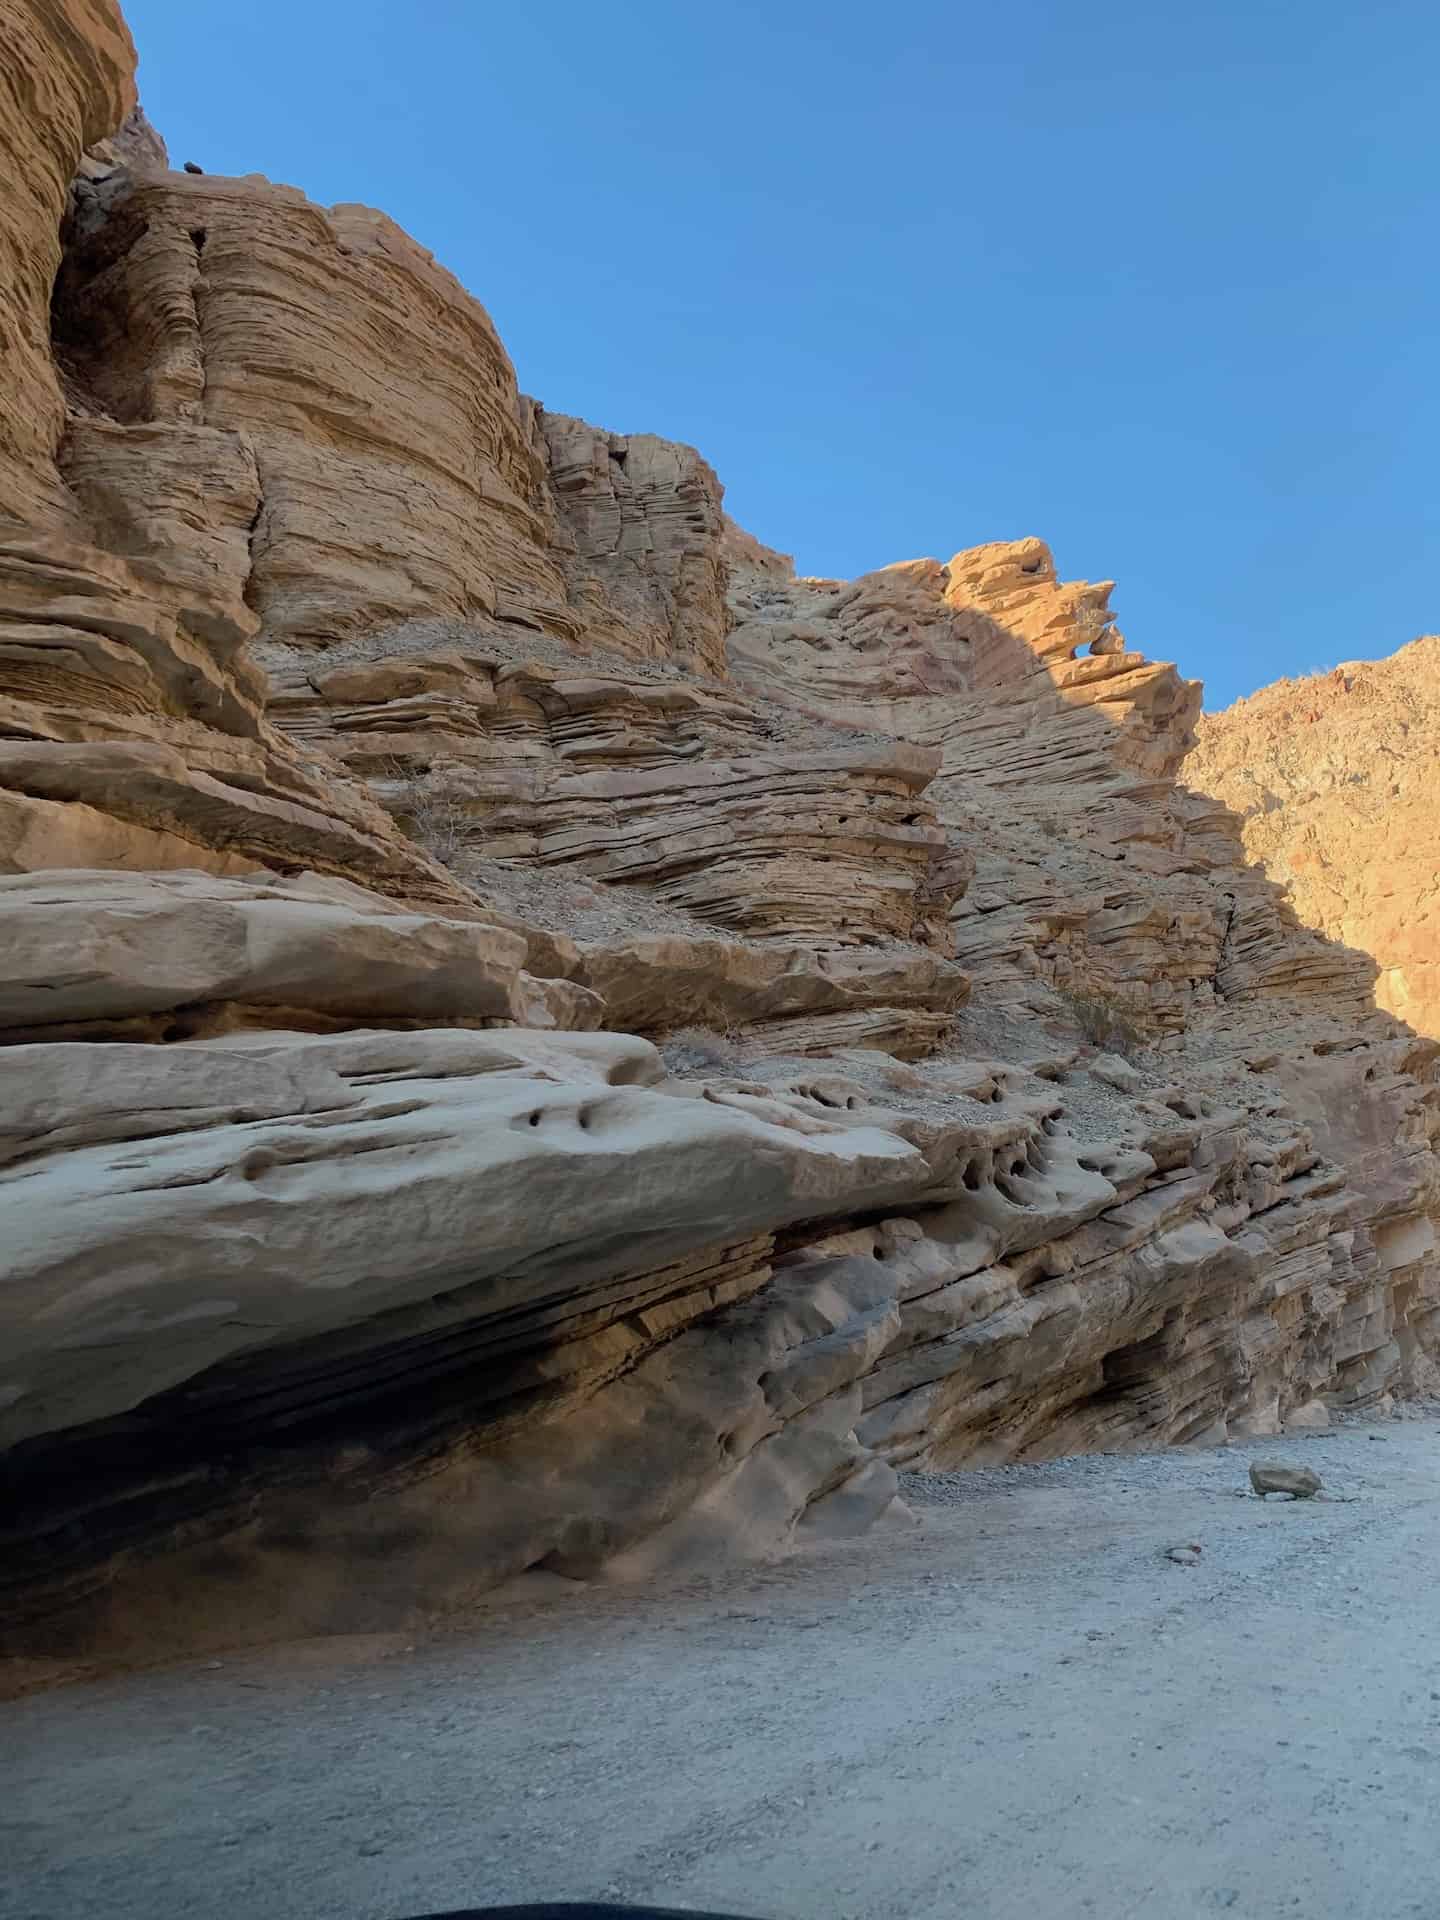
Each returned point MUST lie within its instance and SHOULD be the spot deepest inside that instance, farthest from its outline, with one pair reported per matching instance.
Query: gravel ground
(514, 644)
(1014, 1705)
(565, 901)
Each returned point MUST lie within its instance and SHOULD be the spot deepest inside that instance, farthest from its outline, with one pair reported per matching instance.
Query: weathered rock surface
(382, 758)
(135, 732)
(648, 559)
(418, 1257)
(787, 868)
(1334, 778)
(285, 425)
(677, 788)
(95, 951)
(1270, 1476)
(394, 471)
(1096, 875)
(67, 81)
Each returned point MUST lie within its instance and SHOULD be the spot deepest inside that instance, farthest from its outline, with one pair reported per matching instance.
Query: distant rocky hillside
(1335, 778)
(536, 1039)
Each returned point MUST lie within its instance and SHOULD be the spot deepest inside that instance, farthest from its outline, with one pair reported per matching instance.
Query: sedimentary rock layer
(533, 1037)
(135, 732)
(1096, 874)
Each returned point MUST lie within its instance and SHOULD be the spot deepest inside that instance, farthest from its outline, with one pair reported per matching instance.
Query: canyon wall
(1333, 776)
(538, 1040)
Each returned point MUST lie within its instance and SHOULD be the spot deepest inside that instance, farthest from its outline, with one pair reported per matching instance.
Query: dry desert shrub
(1103, 1020)
(432, 816)
(702, 1050)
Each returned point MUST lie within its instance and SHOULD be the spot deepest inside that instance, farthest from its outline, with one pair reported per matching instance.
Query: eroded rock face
(535, 1037)
(261, 429)
(135, 732)
(1333, 777)
(1096, 875)
(189, 953)
(685, 791)
(515, 1298)
(68, 81)
(961, 650)
(396, 471)
(647, 528)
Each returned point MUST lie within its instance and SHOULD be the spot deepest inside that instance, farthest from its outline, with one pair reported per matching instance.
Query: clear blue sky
(1158, 283)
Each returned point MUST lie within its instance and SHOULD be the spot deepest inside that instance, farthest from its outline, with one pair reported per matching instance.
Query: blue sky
(1156, 283)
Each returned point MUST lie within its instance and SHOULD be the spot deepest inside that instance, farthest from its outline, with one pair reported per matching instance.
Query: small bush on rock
(436, 820)
(1103, 1020)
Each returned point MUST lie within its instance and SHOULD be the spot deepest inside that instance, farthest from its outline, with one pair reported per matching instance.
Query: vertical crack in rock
(254, 539)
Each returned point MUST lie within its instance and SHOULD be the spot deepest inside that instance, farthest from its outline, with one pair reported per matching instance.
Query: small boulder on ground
(1312, 1417)
(1187, 1555)
(1117, 1072)
(1271, 1476)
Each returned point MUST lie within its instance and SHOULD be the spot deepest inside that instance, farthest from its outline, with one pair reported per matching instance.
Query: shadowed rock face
(536, 1038)
(1059, 746)
(68, 81)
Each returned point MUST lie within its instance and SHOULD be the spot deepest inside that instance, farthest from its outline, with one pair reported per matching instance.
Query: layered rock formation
(135, 731)
(1334, 778)
(537, 1038)
(1059, 749)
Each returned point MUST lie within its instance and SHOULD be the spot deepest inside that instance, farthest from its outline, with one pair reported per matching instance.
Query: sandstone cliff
(1334, 778)
(537, 1038)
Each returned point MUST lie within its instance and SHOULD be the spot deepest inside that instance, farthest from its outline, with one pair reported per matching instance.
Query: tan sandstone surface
(538, 1040)
(1334, 777)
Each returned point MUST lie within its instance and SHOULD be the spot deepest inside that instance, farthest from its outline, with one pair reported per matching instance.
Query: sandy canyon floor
(1016, 1706)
